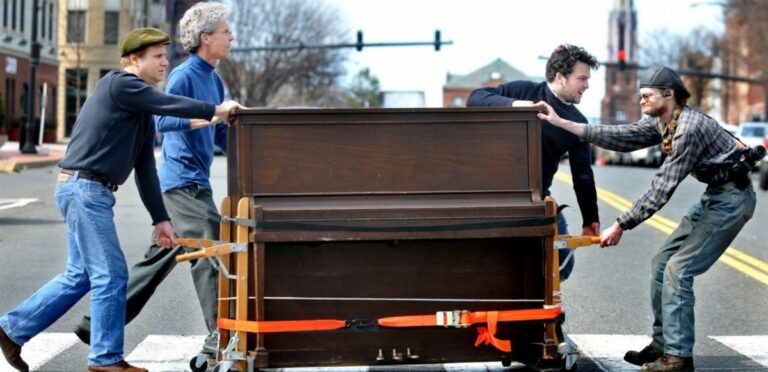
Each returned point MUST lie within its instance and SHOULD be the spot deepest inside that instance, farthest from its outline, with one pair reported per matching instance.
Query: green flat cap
(141, 38)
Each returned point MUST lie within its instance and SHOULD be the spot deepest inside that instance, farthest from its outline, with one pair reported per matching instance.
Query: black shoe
(12, 352)
(669, 363)
(83, 334)
(647, 355)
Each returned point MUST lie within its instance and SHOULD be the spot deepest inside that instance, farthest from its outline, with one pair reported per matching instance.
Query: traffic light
(359, 44)
(437, 40)
(622, 58)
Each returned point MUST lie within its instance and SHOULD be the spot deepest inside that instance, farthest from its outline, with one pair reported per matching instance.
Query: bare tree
(285, 77)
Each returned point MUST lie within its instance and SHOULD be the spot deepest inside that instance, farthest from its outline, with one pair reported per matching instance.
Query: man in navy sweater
(568, 73)
(113, 135)
(185, 169)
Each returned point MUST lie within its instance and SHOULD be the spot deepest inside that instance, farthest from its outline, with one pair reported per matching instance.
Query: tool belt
(91, 176)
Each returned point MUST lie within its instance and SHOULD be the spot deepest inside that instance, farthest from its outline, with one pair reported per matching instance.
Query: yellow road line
(737, 259)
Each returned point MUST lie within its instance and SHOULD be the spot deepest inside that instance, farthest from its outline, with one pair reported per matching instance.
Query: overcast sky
(483, 30)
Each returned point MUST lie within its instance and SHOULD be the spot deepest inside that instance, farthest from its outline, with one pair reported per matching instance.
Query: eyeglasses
(226, 32)
(646, 96)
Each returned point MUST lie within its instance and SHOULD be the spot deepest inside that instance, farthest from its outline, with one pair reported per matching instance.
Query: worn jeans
(194, 215)
(95, 262)
(701, 238)
(566, 257)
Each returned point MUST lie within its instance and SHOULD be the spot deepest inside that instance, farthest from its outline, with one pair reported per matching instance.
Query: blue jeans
(701, 238)
(95, 262)
(562, 254)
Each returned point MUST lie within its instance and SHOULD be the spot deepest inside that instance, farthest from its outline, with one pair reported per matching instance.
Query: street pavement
(606, 298)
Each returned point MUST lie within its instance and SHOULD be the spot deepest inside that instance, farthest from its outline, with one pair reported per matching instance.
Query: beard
(654, 111)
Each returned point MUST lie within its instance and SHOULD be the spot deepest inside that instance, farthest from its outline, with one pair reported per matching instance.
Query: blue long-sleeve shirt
(556, 141)
(187, 154)
(114, 133)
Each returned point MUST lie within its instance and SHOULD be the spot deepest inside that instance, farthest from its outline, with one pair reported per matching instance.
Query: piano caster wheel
(199, 363)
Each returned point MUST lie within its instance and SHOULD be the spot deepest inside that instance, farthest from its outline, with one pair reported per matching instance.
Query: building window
(10, 102)
(458, 101)
(51, 15)
(13, 15)
(5, 13)
(111, 25)
(21, 19)
(76, 87)
(75, 26)
(42, 21)
(620, 116)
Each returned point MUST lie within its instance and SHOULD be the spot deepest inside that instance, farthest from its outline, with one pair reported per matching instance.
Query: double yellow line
(751, 266)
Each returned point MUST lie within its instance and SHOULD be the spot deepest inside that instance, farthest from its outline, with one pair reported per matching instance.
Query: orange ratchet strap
(456, 318)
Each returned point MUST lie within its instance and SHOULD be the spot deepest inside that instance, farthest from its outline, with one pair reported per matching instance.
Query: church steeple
(619, 104)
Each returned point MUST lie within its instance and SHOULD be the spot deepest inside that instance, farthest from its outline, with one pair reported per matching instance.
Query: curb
(12, 166)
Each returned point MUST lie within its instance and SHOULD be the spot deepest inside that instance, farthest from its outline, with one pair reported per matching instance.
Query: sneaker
(647, 355)
(669, 363)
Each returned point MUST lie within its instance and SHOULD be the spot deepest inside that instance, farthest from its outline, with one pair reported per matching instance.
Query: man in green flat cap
(113, 136)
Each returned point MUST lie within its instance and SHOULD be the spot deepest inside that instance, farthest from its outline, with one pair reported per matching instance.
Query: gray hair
(201, 18)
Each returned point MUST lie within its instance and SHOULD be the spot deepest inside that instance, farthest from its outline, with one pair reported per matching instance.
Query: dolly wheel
(199, 363)
(506, 362)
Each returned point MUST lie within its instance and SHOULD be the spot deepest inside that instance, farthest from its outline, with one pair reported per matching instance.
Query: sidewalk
(12, 160)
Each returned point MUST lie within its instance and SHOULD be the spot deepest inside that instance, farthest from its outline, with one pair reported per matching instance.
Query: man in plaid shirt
(696, 145)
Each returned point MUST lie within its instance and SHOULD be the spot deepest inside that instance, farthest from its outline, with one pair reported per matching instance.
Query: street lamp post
(34, 58)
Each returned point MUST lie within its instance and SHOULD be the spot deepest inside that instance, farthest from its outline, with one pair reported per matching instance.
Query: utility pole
(29, 144)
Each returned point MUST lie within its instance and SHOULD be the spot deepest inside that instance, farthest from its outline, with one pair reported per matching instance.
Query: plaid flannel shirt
(698, 145)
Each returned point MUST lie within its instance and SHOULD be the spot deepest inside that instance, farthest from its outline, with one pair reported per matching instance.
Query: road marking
(607, 351)
(735, 258)
(15, 203)
(166, 353)
(755, 347)
(41, 349)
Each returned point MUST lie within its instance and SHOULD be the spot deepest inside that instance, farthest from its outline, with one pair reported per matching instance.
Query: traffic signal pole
(358, 45)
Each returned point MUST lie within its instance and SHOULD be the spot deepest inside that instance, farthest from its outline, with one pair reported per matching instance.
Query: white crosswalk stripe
(165, 353)
(41, 349)
(608, 350)
(755, 347)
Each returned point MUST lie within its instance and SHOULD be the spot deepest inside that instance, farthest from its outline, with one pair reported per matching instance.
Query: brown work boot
(669, 363)
(121, 366)
(647, 355)
(12, 352)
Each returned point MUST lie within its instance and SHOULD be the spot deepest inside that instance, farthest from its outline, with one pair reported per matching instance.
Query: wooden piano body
(358, 214)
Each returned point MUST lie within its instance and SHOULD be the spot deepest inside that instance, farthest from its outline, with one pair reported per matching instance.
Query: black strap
(306, 226)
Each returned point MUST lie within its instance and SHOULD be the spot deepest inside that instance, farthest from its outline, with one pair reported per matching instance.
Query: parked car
(752, 133)
(649, 156)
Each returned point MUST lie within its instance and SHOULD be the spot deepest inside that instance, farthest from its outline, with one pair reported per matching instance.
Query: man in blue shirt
(568, 73)
(184, 172)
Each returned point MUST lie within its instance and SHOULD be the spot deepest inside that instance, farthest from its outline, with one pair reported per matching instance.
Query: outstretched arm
(553, 118)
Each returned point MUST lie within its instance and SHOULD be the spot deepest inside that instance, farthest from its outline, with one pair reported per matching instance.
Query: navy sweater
(115, 130)
(555, 141)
